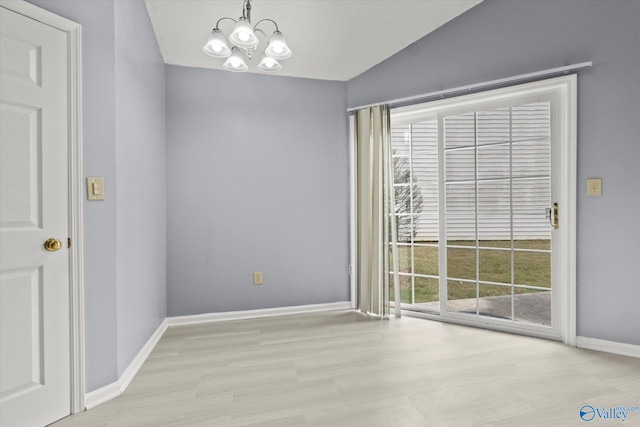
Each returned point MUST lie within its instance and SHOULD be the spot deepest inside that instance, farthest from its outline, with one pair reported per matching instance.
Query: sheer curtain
(376, 231)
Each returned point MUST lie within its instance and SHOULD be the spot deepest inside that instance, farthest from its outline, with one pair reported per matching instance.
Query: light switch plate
(594, 187)
(95, 188)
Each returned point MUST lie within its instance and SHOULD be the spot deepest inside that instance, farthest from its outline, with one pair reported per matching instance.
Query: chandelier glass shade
(243, 41)
(278, 48)
(217, 45)
(269, 64)
(243, 35)
(235, 62)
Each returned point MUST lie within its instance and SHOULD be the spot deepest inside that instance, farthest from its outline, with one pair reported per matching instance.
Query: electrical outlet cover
(594, 187)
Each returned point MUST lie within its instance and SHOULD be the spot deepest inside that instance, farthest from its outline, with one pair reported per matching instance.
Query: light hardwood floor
(341, 368)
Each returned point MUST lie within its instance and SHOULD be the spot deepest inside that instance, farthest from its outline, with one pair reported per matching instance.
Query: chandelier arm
(222, 19)
(258, 30)
(266, 19)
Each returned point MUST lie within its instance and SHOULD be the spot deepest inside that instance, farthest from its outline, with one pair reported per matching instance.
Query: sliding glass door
(477, 181)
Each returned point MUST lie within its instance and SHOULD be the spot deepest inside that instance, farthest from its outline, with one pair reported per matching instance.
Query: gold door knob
(52, 244)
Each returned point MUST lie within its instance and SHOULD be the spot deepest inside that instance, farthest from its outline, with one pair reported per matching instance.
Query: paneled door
(34, 223)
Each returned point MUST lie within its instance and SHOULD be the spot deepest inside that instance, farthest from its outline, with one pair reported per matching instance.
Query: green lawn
(532, 269)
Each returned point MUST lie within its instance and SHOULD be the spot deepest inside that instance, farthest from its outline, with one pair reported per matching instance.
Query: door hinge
(68, 242)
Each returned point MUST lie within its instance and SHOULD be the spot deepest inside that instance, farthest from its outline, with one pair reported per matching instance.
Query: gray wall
(141, 282)
(122, 124)
(502, 38)
(257, 171)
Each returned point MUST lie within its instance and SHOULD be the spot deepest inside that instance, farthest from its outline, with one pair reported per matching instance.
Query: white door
(34, 282)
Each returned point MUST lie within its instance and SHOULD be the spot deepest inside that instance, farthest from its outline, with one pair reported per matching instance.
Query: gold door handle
(52, 244)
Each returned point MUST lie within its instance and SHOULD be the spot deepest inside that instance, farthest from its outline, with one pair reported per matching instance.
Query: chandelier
(244, 39)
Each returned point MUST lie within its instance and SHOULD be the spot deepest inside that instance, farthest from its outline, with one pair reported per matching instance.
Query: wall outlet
(257, 278)
(594, 187)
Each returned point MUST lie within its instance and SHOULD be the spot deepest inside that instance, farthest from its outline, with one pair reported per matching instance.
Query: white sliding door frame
(353, 213)
(562, 93)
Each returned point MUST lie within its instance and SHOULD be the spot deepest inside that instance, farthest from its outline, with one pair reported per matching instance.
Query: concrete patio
(530, 308)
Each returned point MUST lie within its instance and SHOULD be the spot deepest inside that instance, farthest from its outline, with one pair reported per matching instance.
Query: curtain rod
(477, 87)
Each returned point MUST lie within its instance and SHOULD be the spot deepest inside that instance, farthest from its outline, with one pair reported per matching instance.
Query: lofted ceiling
(330, 39)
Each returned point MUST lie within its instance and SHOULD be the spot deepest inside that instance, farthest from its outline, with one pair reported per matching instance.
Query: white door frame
(76, 276)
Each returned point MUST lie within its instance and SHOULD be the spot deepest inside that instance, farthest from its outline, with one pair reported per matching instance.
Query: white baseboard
(136, 363)
(102, 395)
(115, 389)
(608, 346)
(251, 314)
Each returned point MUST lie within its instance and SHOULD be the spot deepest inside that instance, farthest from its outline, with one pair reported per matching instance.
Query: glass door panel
(462, 296)
(498, 239)
(495, 301)
(415, 163)
(532, 306)
(427, 292)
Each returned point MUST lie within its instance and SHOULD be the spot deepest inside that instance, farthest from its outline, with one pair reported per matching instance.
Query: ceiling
(330, 39)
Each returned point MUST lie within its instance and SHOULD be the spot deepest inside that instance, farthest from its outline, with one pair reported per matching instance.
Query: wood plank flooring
(341, 368)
